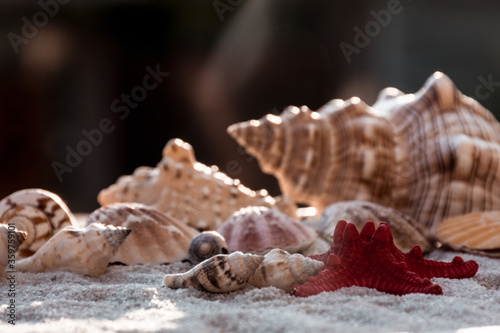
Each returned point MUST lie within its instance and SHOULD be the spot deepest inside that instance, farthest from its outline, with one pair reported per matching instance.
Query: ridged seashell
(38, 212)
(259, 230)
(221, 273)
(84, 251)
(189, 191)
(480, 231)
(406, 231)
(283, 270)
(206, 245)
(156, 238)
(10, 240)
(431, 155)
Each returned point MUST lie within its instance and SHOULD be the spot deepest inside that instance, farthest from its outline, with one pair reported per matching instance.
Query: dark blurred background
(67, 65)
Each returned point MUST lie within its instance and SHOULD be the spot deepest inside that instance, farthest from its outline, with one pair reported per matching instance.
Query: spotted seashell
(221, 273)
(283, 270)
(259, 230)
(38, 212)
(85, 251)
(10, 240)
(206, 245)
(156, 238)
(470, 232)
(432, 155)
(406, 231)
(189, 191)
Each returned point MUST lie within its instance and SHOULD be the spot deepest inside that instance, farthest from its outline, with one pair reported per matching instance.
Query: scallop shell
(432, 155)
(38, 212)
(479, 231)
(190, 191)
(259, 230)
(218, 274)
(10, 240)
(156, 238)
(206, 245)
(283, 270)
(84, 251)
(406, 230)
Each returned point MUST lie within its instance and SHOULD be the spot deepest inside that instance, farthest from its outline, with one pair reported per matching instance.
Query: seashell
(85, 251)
(221, 273)
(406, 230)
(206, 245)
(156, 238)
(189, 191)
(10, 240)
(432, 155)
(480, 231)
(283, 270)
(38, 212)
(259, 230)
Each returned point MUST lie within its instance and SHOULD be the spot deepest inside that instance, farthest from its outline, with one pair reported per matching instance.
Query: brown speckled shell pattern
(10, 240)
(431, 155)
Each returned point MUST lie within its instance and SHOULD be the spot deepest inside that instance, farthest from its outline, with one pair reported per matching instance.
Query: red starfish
(370, 259)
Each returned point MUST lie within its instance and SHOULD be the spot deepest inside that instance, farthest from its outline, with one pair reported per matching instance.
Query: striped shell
(283, 270)
(84, 251)
(189, 191)
(406, 231)
(432, 155)
(38, 212)
(480, 231)
(206, 245)
(221, 273)
(10, 240)
(156, 238)
(259, 230)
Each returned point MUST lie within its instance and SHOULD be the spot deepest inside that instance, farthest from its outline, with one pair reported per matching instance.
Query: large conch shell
(406, 231)
(479, 231)
(156, 238)
(431, 155)
(190, 191)
(221, 273)
(38, 212)
(84, 251)
(258, 230)
(10, 240)
(283, 270)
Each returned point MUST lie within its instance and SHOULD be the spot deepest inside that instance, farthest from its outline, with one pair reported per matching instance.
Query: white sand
(132, 299)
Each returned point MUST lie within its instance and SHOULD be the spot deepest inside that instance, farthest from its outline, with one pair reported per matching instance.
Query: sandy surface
(132, 299)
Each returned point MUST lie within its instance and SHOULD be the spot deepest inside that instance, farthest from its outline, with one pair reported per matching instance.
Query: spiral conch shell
(283, 270)
(189, 191)
(218, 274)
(156, 238)
(10, 240)
(432, 155)
(259, 230)
(38, 212)
(84, 251)
(406, 230)
(206, 245)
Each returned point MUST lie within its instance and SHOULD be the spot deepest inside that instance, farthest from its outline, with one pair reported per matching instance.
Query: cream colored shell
(189, 191)
(10, 240)
(218, 274)
(259, 230)
(283, 270)
(38, 212)
(85, 251)
(156, 238)
(432, 155)
(406, 230)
